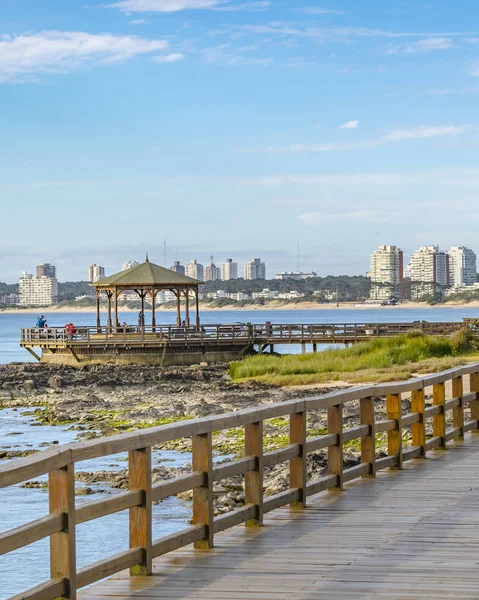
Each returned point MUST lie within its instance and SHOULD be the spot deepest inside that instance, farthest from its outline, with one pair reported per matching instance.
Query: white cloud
(362, 216)
(349, 125)
(251, 6)
(427, 45)
(170, 6)
(57, 51)
(138, 22)
(169, 58)
(399, 135)
(312, 10)
(421, 133)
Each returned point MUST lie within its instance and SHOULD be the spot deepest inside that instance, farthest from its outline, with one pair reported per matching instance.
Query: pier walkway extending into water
(189, 344)
(401, 524)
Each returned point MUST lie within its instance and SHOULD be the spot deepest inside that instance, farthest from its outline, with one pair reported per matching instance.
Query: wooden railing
(60, 464)
(240, 333)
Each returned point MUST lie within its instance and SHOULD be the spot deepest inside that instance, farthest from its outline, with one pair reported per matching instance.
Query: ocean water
(10, 324)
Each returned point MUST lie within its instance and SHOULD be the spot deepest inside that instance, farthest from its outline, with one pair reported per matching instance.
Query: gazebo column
(178, 307)
(187, 298)
(197, 307)
(153, 294)
(98, 322)
(117, 322)
(143, 294)
(109, 294)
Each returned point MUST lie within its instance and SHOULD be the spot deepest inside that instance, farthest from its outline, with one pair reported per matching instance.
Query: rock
(56, 382)
(29, 386)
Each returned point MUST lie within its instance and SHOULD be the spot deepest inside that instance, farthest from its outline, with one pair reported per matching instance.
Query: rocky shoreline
(102, 400)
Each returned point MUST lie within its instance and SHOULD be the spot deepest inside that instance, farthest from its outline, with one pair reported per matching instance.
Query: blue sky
(235, 128)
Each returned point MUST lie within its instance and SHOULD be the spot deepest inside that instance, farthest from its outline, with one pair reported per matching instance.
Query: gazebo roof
(147, 274)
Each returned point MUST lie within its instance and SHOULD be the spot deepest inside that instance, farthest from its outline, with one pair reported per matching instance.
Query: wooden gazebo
(146, 280)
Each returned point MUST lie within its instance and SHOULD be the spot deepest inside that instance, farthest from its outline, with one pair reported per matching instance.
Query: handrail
(236, 333)
(60, 463)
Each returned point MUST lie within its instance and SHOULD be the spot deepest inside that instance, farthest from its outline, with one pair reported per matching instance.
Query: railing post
(61, 497)
(203, 496)
(474, 404)
(458, 411)
(368, 442)
(253, 480)
(393, 409)
(139, 477)
(335, 453)
(419, 429)
(439, 421)
(297, 466)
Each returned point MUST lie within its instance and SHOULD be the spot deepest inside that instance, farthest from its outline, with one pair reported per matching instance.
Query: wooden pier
(212, 343)
(393, 526)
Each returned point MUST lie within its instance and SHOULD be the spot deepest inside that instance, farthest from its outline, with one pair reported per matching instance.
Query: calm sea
(10, 324)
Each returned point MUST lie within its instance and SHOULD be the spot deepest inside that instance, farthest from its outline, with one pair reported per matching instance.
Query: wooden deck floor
(412, 534)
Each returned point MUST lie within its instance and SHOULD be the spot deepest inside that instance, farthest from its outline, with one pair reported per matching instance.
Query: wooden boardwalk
(410, 534)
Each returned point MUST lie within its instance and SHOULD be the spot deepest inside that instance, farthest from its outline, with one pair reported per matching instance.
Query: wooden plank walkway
(408, 534)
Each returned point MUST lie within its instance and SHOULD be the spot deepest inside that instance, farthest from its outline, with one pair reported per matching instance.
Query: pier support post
(368, 442)
(139, 478)
(297, 466)
(474, 404)
(253, 480)
(303, 348)
(203, 496)
(393, 409)
(458, 411)
(335, 453)
(439, 421)
(315, 348)
(61, 496)
(419, 429)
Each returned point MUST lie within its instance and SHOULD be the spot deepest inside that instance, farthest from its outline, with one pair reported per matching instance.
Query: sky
(303, 132)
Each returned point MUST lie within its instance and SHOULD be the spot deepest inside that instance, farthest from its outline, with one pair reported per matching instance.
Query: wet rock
(56, 382)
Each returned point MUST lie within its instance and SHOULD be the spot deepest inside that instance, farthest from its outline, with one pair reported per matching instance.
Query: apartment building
(229, 270)
(462, 266)
(386, 273)
(429, 272)
(255, 269)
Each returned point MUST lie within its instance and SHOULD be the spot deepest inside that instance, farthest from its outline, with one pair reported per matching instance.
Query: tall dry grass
(381, 359)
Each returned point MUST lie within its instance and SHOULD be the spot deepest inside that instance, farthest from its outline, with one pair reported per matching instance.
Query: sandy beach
(268, 306)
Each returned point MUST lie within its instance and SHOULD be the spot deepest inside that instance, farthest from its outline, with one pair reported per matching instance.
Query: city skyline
(319, 124)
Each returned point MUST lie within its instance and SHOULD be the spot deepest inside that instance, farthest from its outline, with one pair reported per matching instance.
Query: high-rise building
(255, 269)
(177, 267)
(194, 270)
(46, 270)
(386, 273)
(212, 272)
(37, 291)
(229, 270)
(462, 266)
(129, 264)
(95, 273)
(429, 272)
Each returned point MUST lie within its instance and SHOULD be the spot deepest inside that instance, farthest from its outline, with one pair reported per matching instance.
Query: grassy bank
(378, 360)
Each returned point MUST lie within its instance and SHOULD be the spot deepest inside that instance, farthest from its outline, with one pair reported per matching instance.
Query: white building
(212, 273)
(266, 294)
(37, 291)
(239, 296)
(194, 270)
(9, 299)
(292, 295)
(255, 269)
(429, 272)
(129, 264)
(296, 275)
(462, 266)
(95, 273)
(229, 270)
(386, 273)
